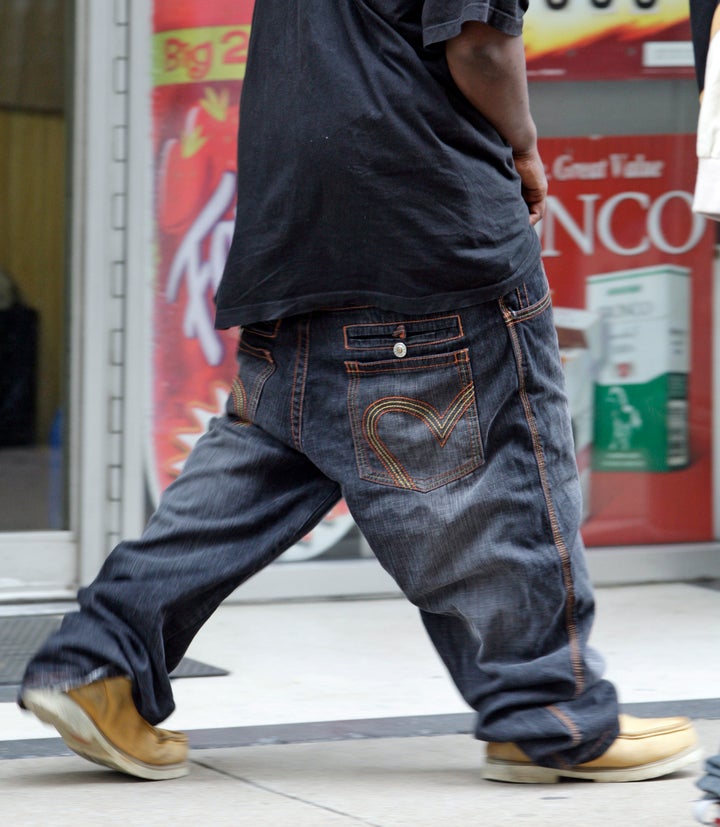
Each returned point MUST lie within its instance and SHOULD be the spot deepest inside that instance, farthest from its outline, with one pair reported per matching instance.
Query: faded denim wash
(449, 436)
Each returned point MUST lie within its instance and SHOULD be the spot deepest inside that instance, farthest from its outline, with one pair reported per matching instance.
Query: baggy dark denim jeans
(448, 434)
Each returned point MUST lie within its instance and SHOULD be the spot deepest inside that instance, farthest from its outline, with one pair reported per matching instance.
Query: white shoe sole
(84, 738)
(521, 773)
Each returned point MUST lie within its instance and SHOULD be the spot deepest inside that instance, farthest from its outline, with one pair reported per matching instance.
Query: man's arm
(489, 69)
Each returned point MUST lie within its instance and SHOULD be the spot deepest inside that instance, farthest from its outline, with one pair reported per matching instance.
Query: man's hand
(534, 183)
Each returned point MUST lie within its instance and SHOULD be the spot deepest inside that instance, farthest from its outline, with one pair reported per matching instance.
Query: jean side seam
(303, 347)
(603, 742)
(558, 540)
(354, 417)
(567, 721)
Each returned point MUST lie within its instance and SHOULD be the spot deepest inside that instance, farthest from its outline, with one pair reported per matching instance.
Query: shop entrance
(35, 59)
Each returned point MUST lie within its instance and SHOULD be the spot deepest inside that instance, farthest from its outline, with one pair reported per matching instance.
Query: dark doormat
(21, 637)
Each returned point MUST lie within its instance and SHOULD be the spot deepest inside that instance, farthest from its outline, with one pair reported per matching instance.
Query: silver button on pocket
(399, 349)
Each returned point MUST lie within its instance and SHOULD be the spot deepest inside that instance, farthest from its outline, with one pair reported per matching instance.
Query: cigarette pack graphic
(581, 347)
(641, 397)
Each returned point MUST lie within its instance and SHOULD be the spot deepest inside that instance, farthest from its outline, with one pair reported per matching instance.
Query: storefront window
(32, 263)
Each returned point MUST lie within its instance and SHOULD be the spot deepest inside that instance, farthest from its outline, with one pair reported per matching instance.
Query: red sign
(620, 239)
(608, 39)
(198, 71)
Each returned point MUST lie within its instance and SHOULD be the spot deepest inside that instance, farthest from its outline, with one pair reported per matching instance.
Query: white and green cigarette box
(641, 395)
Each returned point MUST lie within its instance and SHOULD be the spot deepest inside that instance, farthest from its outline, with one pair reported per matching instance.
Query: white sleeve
(707, 185)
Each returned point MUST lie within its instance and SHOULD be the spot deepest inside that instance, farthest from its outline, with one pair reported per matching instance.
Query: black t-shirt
(364, 175)
(701, 15)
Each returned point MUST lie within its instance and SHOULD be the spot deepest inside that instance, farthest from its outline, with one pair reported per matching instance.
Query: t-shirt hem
(478, 13)
(442, 302)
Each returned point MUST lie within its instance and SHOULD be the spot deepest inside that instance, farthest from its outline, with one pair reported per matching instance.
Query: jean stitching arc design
(440, 425)
(575, 648)
(239, 398)
(466, 454)
(242, 403)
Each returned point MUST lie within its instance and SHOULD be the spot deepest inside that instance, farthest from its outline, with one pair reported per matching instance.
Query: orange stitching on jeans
(260, 352)
(440, 426)
(408, 323)
(303, 346)
(514, 317)
(573, 729)
(410, 364)
(239, 395)
(558, 540)
(410, 344)
(567, 721)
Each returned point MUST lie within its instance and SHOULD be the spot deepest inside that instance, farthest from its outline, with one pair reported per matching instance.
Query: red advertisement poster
(608, 39)
(199, 57)
(630, 267)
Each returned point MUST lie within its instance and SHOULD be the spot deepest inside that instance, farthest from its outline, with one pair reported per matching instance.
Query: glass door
(35, 49)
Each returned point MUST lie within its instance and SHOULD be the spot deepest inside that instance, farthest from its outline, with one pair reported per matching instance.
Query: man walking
(396, 349)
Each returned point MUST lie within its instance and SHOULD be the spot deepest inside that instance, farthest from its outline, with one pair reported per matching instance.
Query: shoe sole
(520, 773)
(83, 736)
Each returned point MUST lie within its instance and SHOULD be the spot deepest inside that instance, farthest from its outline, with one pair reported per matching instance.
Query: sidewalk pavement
(339, 713)
(384, 782)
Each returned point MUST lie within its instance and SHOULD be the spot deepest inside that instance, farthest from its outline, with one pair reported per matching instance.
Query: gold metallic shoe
(99, 721)
(645, 748)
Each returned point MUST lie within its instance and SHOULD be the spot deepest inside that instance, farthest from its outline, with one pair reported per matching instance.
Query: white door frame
(50, 565)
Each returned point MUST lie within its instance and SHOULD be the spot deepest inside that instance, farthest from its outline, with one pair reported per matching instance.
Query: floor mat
(20, 637)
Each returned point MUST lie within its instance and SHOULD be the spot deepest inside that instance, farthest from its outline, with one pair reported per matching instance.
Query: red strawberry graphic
(191, 166)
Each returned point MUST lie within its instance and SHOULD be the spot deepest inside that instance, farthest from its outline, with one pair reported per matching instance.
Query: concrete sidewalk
(339, 712)
(384, 782)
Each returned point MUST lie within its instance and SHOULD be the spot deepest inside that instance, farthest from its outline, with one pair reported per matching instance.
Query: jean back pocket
(255, 366)
(414, 420)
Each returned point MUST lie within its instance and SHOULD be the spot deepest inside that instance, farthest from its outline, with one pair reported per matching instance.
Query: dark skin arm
(489, 69)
